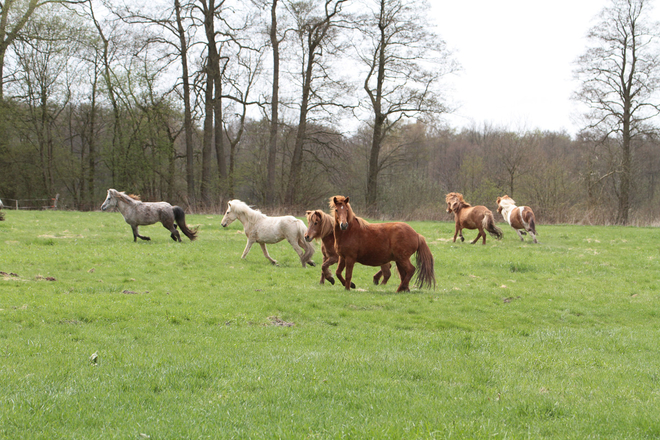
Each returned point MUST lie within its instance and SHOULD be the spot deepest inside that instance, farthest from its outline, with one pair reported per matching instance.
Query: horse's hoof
(352, 285)
(462, 239)
(376, 281)
(311, 263)
(331, 280)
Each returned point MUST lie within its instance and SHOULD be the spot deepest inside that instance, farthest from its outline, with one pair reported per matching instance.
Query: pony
(321, 226)
(471, 217)
(2, 215)
(259, 228)
(358, 241)
(521, 218)
(139, 213)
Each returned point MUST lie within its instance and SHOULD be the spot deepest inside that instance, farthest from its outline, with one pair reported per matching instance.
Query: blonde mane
(458, 197)
(327, 222)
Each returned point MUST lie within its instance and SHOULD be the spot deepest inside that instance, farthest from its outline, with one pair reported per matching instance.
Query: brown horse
(521, 218)
(471, 217)
(358, 241)
(321, 227)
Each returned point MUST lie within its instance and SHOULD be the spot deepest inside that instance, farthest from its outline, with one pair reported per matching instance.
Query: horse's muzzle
(308, 238)
(224, 225)
(343, 226)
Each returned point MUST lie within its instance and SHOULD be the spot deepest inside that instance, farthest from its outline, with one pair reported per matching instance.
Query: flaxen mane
(458, 198)
(327, 222)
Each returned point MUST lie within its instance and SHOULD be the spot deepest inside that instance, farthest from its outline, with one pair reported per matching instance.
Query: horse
(521, 218)
(2, 214)
(259, 228)
(471, 217)
(321, 226)
(139, 213)
(358, 241)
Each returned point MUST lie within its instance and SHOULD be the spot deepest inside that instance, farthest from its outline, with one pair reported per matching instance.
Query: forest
(284, 103)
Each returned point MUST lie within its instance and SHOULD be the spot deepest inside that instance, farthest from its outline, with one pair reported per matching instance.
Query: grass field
(104, 338)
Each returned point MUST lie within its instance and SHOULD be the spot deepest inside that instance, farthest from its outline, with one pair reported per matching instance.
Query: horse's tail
(424, 258)
(532, 223)
(489, 225)
(180, 219)
(306, 245)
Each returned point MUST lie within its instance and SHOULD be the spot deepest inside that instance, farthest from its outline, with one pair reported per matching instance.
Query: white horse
(259, 228)
(520, 218)
(137, 213)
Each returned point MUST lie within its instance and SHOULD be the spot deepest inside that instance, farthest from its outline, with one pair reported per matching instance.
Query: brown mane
(134, 197)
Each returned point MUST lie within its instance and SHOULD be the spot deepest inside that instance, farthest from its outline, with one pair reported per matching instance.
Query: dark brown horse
(471, 217)
(358, 241)
(321, 227)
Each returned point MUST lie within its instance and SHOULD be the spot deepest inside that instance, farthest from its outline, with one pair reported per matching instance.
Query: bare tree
(405, 61)
(620, 75)
(314, 28)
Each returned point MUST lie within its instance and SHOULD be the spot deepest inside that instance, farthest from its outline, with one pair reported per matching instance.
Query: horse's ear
(308, 212)
(334, 200)
(499, 199)
(347, 199)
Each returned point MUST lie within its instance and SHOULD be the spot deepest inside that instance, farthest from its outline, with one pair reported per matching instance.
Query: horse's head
(454, 202)
(342, 210)
(110, 200)
(314, 225)
(229, 216)
(503, 202)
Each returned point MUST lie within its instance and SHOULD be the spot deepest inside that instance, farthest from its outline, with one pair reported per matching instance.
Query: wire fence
(27, 204)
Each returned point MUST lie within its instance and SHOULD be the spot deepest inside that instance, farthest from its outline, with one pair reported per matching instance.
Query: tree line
(283, 103)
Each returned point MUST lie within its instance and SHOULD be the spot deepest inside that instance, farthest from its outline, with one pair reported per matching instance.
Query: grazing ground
(101, 337)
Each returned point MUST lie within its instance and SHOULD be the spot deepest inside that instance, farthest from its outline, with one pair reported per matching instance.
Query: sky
(517, 59)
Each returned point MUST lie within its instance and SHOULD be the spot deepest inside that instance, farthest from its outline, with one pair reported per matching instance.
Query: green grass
(556, 340)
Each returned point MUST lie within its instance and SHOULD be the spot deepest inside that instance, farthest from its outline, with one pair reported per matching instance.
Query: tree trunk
(187, 122)
(207, 149)
(274, 109)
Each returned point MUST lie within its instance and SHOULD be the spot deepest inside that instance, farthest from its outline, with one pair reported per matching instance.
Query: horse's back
(275, 229)
(376, 244)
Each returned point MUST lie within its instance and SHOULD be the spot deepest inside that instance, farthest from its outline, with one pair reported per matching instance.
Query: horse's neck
(328, 226)
(125, 207)
(506, 212)
(250, 219)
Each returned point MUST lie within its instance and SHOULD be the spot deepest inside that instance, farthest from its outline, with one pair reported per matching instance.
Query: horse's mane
(362, 222)
(458, 197)
(252, 214)
(131, 199)
(506, 201)
(327, 221)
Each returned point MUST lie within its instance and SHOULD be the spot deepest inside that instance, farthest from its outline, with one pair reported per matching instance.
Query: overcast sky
(517, 59)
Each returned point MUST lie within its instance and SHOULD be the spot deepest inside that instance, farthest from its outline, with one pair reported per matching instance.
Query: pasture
(101, 337)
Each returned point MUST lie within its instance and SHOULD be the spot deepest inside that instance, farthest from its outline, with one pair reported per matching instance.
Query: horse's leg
(265, 251)
(533, 235)
(248, 245)
(136, 235)
(520, 235)
(384, 272)
(406, 270)
(481, 231)
(325, 271)
(349, 274)
(340, 268)
(458, 229)
(385, 268)
(298, 249)
(171, 226)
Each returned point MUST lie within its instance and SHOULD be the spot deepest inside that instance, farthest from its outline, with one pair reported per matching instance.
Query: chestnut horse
(521, 218)
(471, 217)
(321, 226)
(357, 241)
